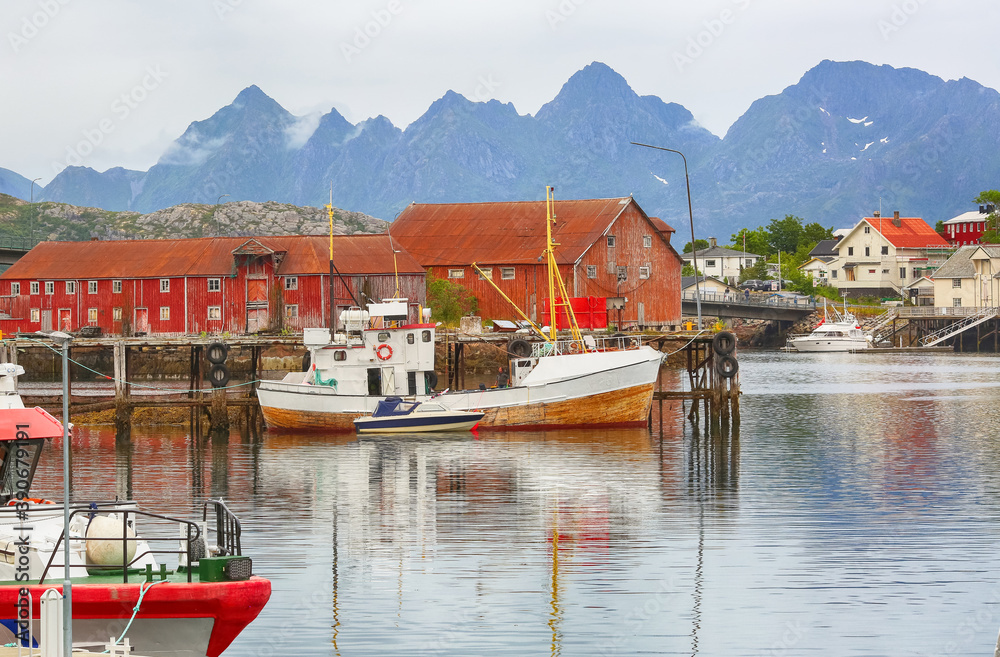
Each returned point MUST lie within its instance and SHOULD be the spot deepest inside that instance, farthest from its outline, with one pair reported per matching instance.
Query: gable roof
(824, 248)
(912, 232)
(689, 281)
(719, 252)
(442, 234)
(965, 217)
(208, 256)
(959, 265)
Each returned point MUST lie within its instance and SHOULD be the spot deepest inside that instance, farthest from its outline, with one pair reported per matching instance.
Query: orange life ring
(378, 351)
(574, 347)
(33, 500)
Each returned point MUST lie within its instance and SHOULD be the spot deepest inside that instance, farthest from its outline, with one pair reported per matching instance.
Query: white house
(720, 262)
(969, 278)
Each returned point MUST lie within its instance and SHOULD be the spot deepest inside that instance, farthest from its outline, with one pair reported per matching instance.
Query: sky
(103, 83)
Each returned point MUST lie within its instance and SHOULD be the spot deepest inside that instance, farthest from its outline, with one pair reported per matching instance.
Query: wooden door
(142, 320)
(65, 320)
(257, 307)
(46, 320)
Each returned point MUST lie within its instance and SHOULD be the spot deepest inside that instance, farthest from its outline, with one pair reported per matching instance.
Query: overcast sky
(111, 83)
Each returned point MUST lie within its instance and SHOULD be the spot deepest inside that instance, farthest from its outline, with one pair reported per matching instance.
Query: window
(611, 241)
(70, 287)
(850, 250)
(485, 272)
(116, 287)
(956, 302)
(164, 312)
(164, 285)
(215, 312)
(34, 287)
(902, 273)
(871, 271)
(36, 315)
(885, 250)
(291, 311)
(291, 282)
(965, 228)
(623, 274)
(91, 287)
(885, 271)
(868, 229)
(956, 282)
(643, 272)
(425, 336)
(868, 251)
(833, 274)
(15, 289)
(456, 273)
(116, 314)
(410, 339)
(383, 336)
(647, 241)
(591, 271)
(507, 273)
(50, 287)
(709, 263)
(91, 315)
(215, 285)
(340, 354)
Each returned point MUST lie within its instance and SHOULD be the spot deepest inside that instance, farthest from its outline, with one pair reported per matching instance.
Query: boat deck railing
(589, 343)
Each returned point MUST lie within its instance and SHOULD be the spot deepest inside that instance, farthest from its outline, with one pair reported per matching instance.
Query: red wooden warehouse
(608, 248)
(215, 285)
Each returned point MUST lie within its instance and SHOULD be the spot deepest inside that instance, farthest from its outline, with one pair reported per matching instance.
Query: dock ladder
(943, 334)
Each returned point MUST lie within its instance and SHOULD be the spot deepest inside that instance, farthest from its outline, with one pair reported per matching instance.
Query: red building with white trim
(214, 285)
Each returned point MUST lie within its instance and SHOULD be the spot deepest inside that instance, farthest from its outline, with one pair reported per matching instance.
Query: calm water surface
(856, 513)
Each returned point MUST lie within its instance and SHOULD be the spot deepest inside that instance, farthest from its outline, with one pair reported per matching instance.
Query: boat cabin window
(410, 339)
(426, 336)
(19, 459)
(340, 354)
(383, 336)
(431, 408)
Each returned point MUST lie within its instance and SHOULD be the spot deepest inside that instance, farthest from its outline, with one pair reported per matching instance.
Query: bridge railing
(17, 243)
(767, 301)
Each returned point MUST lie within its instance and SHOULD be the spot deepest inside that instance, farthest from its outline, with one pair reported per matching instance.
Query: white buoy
(105, 549)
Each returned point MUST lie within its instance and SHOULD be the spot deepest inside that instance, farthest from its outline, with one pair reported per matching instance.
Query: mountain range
(844, 140)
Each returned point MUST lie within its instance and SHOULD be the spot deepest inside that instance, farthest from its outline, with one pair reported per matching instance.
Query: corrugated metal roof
(662, 226)
(913, 232)
(459, 233)
(208, 256)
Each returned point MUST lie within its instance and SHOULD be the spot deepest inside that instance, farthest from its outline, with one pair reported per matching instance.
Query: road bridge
(757, 306)
(12, 248)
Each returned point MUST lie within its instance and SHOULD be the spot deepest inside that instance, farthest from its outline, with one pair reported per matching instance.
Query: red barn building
(214, 285)
(607, 248)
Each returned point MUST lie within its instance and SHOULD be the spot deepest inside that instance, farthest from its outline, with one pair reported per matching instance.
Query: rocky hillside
(61, 221)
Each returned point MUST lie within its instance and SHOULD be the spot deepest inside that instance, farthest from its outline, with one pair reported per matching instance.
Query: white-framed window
(487, 272)
(833, 274)
(15, 289)
(36, 315)
(623, 273)
(214, 285)
(164, 285)
(50, 287)
(902, 273)
(91, 315)
(709, 263)
(215, 312)
(591, 271)
(116, 314)
(611, 241)
(116, 287)
(33, 287)
(164, 312)
(885, 250)
(956, 302)
(647, 241)
(507, 273)
(291, 311)
(850, 250)
(956, 282)
(868, 251)
(456, 273)
(885, 271)
(91, 287)
(643, 272)
(868, 229)
(749, 262)
(291, 282)
(70, 287)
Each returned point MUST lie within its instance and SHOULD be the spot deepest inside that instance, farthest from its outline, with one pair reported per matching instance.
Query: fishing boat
(394, 415)
(842, 334)
(557, 381)
(173, 587)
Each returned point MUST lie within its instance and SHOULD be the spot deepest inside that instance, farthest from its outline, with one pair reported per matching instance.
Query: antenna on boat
(333, 305)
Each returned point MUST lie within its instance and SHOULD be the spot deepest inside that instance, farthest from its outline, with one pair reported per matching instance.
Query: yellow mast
(555, 278)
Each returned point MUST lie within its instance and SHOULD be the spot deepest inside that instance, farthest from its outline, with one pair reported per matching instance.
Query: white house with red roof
(881, 256)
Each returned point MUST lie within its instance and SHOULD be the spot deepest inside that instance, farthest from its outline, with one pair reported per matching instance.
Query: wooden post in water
(220, 412)
(123, 401)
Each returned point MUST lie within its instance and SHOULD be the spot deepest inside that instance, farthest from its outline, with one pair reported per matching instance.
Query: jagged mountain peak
(596, 83)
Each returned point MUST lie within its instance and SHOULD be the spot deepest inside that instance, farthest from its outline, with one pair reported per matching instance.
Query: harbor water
(855, 512)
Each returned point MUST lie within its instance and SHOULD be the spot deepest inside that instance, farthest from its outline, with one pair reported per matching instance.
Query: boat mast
(555, 279)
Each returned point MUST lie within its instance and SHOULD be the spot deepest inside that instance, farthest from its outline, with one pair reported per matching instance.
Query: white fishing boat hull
(602, 388)
(828, 344)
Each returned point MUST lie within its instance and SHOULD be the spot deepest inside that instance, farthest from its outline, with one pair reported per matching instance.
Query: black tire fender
(218, 375)
(307, 361)
(430, 380)
(519, 348)
(727, 366)
(724, 343)
(217, 352)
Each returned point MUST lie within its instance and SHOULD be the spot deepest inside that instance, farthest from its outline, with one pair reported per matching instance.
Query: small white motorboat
(842, 334)
(394, 415)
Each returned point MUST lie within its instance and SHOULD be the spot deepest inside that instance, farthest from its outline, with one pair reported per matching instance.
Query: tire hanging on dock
(727, 366)
(218, 376)
(216, 353)
(519, 348)
(724, 343)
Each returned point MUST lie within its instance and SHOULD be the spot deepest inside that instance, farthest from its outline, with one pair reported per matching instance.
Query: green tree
(784, 234)
(448, 300)
(702, 245)
(990, 197)
(756, 241)
(814, 233)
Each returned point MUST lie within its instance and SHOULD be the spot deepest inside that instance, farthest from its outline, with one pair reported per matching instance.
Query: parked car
(755, 285)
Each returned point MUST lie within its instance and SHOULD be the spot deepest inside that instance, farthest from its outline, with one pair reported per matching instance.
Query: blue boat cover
(393, 406)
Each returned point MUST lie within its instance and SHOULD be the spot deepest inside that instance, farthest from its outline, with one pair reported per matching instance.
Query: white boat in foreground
(394, 415)
(842, 334)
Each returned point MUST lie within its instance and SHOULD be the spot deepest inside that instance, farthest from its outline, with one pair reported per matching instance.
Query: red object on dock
(590, 312)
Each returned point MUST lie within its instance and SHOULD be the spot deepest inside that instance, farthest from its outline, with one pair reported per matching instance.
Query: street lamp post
(31, 202)
(694, 248)
(215, 216)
